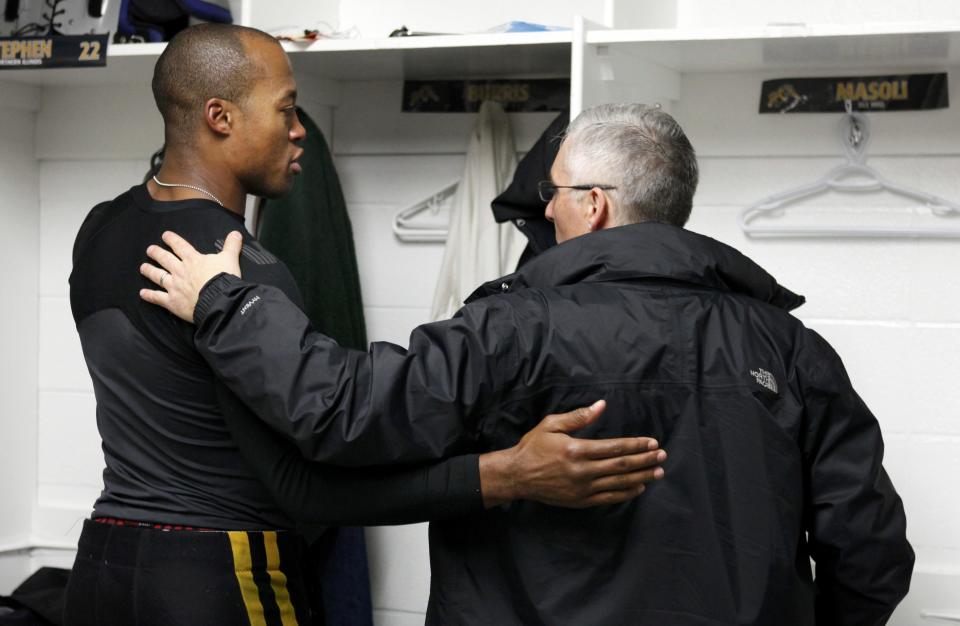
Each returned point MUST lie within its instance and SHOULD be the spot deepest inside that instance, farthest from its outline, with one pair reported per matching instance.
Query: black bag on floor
(38, 601)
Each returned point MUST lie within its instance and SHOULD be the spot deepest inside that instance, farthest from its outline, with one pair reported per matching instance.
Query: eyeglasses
(548, 190)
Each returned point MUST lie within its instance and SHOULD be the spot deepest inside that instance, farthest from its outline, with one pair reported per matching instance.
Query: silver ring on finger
(162, 278)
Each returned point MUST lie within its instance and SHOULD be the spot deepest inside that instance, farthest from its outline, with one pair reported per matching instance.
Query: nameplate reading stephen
(24, 53)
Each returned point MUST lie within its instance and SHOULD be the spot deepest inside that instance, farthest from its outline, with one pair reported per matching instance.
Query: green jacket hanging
(309, 230)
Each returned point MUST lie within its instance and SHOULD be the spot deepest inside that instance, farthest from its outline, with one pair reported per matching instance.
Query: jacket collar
(646, 251)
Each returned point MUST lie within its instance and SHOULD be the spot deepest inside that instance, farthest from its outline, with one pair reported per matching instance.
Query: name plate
(459, 96)
(23, 53)
(897, 92)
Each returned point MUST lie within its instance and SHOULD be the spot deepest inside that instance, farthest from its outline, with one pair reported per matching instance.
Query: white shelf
(807, 48)
(610, 65)
(480, 40)
(449, 56)
(886, 45)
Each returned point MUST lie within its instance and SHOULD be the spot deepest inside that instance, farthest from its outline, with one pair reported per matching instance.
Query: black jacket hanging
(520, 202)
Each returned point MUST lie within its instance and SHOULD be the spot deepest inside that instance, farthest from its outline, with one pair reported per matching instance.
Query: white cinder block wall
(889, 307)
(19, 251)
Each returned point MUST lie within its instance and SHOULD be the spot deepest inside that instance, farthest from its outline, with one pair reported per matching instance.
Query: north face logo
(765, 379)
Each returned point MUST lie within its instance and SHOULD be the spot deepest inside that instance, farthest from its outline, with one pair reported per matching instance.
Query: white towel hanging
(478, 248)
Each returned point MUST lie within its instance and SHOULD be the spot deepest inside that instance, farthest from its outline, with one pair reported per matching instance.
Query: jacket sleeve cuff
(208, 294)
(457, 491)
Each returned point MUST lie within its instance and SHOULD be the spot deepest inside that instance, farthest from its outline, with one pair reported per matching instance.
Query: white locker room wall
(19, 252)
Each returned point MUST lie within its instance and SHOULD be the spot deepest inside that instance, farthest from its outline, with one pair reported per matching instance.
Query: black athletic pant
(137, 576)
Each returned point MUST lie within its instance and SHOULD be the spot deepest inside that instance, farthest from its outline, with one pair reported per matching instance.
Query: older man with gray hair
(774, 459)
(644, 155)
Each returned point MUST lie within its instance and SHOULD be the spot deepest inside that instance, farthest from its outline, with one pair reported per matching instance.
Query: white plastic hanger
(854, 176)
(940, 615)
(409, 225)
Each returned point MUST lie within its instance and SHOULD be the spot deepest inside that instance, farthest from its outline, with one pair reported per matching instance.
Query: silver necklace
(200, 189)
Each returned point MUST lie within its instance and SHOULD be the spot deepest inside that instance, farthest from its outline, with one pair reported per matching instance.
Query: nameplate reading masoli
(897, 92)
(24, 53)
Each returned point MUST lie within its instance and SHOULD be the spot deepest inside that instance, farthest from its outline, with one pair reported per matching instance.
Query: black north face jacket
(773, 458)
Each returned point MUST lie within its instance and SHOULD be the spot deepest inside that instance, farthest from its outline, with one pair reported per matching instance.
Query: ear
(219, 116)
(598, 212)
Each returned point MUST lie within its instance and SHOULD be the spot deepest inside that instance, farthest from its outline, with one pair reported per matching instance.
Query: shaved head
(202, 62)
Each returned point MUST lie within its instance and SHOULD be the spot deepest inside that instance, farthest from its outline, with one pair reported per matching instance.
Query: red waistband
(128, 522)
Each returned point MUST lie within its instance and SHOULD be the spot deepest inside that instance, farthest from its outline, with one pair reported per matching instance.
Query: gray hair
(643, 152)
